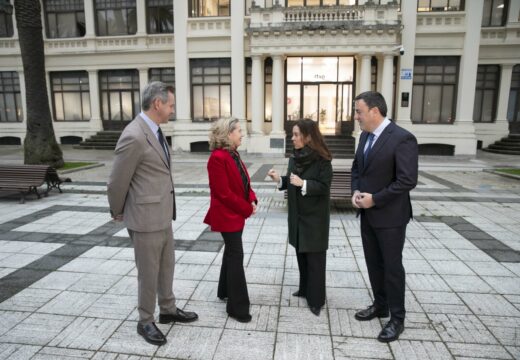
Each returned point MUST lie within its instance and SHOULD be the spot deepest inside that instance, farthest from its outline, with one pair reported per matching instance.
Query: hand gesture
(274, 175)
(296, 180)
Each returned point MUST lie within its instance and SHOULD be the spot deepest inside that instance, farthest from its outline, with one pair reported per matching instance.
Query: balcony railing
(324, 16)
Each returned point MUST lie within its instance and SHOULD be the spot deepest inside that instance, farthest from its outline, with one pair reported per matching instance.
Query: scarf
(303, 158)
(245, 180)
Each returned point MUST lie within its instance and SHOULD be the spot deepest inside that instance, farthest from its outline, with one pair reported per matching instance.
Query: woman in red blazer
(232, 201)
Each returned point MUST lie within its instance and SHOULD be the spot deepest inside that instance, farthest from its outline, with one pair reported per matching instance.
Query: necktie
(367, 150)
(163, 145)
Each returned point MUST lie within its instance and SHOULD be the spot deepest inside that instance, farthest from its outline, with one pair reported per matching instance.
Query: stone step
(504, 152)
(504, 146)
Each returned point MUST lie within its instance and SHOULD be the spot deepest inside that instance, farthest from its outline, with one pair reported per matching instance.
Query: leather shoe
(151, 333)
(370, 313)
(391, 331)
(298, 294)
(315, 310)
(178, 316)
(243, 319)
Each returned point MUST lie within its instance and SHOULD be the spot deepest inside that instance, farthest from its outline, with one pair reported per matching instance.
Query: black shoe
(391, 331)
(223, 298)
(315, 310)
(179, 316)
(371, 313)
(243, 319)
(151, 333)
(298, 294)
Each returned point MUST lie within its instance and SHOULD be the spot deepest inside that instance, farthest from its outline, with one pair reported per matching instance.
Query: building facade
(449, 69)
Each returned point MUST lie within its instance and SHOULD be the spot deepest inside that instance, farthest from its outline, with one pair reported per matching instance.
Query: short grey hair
(154, 90)
(218, 136)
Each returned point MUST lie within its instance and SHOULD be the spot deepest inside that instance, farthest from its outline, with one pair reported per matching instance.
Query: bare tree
(40, 146)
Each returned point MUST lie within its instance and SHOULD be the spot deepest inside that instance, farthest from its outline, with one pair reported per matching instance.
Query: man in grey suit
(141, 193)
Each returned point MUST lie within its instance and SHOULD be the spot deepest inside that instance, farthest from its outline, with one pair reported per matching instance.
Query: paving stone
(436, 297)
(190, 342)
(261, 294)
(37, 329)
(28, 300)
(420, 350)
(109, 306)
(478, 351)
(462, 284)
(357, 348)
(190, 271)
(267, 261)
(211, 314)
(205, 291)
(17, 351)
(454, 267)
(126, 340)
(258, 275)
(95, 283)
(487, 268)
(344, 279)
(86, 333)
(343, 298)
(437, 254)
(10, 319)
(415, 266)
(461, 328)
(127, 285)
(418, 327)
(503, 285)
(197, 257)
(102, 252)
(240, 345)
(264, 318)
(303, 347)
(58, 280)
(69, 303)
(301, 320)
(52, 353)
(426, 282)
(343, 323)
(489, 304)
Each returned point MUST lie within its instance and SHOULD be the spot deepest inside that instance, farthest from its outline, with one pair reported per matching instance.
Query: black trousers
(312, 276)
(383, 249)
(232, 282)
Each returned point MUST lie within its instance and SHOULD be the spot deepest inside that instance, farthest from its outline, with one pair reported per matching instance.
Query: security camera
(401, 50)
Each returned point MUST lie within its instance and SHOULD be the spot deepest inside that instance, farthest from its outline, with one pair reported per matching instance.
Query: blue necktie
(367, 150)
(163, 145)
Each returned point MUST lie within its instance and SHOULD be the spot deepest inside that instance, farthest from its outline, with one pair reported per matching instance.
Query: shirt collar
(379, 130)
(153, 126)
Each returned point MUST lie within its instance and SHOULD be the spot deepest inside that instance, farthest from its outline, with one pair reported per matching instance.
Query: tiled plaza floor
(68, 278)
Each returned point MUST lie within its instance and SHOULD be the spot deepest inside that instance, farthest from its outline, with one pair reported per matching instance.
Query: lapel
(236, 170)
(152, 140)
(378, 145)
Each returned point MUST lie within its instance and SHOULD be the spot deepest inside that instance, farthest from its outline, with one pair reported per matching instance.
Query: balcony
(346, 17)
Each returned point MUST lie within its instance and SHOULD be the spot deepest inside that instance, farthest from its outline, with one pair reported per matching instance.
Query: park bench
(340, 188)
(26, 179)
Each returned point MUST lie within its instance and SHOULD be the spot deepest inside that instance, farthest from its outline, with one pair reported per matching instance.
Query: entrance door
(345, 120)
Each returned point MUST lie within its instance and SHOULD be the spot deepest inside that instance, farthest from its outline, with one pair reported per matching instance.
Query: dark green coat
(309, 215)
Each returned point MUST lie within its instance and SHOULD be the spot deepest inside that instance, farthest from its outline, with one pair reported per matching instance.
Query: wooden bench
(340, 188)
(26, 179)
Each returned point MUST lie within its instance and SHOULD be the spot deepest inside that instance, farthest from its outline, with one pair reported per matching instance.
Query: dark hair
(309, 128)
(373, 99)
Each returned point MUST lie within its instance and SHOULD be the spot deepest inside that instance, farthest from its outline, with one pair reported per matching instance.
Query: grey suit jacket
(140, 185)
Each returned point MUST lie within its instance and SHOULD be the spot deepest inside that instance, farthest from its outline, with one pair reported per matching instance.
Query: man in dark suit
(140, 193)
(383, 173)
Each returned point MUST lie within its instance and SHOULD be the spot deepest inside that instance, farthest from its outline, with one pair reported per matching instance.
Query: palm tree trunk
(40, 146)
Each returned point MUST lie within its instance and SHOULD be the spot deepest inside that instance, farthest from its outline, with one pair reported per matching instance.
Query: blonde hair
(218, 136)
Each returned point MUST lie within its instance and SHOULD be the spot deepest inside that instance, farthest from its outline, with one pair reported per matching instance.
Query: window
(10, 98)
(440, 5)
(486, 93)
(119, 94)
(64, 18)
(70, 96)
(167, 76)
(116, 17)
(290, 3)
(434, 89)
(210, 88)
(513, 107)
(495, 13)
(201, 8)
(268, 89)
(159, 16)
(373, 74)
(6, 24)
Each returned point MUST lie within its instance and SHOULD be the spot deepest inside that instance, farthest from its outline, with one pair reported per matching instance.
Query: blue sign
(406, 74)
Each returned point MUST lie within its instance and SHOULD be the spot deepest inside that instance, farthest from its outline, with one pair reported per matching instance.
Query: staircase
(509, 145)
(341, 146)
(103, 140)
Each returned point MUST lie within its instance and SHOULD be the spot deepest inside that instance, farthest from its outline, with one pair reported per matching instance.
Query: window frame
(63, 7)
(488, 22)
(13, 86)
(158, 6)
(194, 9)
(485, 70)
(70, 74)
(7, 30)
(443, 61)
(134, 89)
(430, 8)
(514, 107)
(106, 7)
(165, 78)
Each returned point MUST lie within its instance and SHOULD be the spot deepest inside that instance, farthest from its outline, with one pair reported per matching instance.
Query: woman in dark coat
(307, 182)
(232, 201)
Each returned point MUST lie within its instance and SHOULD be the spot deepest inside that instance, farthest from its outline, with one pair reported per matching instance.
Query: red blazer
(228, 207)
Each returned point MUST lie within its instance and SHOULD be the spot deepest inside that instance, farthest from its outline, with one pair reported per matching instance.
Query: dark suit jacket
(389, 175)
(309, 215)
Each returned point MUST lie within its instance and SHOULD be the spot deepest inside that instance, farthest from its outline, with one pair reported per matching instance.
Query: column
(503, 93)
(95, 115)
(143, 78)
(387, 83)
(21, 78)
(141, 17)
(365, 76)
(238, 80)
(278, 95)
(90, 21)
(257, 94)
(409, 20)
(182, 68)
(469, 62)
